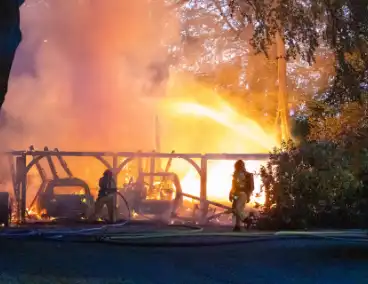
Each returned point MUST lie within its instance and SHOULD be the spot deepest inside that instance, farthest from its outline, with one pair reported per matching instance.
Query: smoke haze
(82, 77)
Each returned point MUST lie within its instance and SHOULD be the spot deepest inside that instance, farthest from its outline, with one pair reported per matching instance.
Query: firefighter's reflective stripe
(243, 182)
(240, 180)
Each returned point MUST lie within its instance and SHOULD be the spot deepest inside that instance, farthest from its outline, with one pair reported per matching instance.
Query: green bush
(315, 185)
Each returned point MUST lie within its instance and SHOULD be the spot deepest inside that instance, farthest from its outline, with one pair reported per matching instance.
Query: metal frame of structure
(22, 167)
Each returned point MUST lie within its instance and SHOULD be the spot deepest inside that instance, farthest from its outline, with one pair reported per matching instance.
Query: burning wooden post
(203, 190)
(21, 187)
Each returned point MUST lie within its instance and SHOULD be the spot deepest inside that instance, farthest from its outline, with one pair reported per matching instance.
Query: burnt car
(159, 201)
(66, 198)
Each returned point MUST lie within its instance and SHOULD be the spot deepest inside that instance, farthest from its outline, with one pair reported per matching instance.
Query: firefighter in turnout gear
(241, 190)
(107, 195)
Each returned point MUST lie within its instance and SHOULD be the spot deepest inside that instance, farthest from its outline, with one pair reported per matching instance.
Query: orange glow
(94, 93)
(200, 123)
(203, 122)
(219, 181)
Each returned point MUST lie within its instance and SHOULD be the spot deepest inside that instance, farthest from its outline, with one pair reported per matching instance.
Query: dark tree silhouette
(10, 38)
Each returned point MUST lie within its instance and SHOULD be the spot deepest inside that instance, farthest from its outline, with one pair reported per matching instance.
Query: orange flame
(219, 128)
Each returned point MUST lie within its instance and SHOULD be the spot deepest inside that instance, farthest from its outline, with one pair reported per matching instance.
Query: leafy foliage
(304, 25)
(346, 125)
(315, 185)
(216, 49)
(323, 180)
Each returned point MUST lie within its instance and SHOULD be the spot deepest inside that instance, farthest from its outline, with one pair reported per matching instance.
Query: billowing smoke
(85, 71)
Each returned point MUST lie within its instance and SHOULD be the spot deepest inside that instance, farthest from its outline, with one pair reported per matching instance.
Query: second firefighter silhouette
(241, 190)
(107, 195)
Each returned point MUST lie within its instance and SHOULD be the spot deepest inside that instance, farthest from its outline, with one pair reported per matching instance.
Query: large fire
(204, 123)
(215, 127)
(91, 85)
(219, 181)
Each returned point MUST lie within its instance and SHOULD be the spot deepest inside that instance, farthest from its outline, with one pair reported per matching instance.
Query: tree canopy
(333, 30)
(305, 26)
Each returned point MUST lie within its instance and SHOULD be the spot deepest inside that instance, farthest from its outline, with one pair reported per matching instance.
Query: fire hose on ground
(101, 231)
(193, 236)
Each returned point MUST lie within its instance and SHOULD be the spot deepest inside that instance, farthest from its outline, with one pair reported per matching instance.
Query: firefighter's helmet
(107, 173)
(239, 165)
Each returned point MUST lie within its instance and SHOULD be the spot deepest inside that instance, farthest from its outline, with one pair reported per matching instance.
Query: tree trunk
(283, 109)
